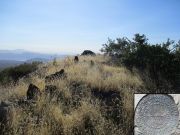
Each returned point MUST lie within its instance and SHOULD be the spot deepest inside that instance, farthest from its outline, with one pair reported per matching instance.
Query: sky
(71, 26)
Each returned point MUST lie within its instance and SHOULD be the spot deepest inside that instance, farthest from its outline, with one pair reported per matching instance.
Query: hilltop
(95, 97)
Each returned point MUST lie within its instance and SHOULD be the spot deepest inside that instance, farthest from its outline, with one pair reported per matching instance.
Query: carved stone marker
(156, 114)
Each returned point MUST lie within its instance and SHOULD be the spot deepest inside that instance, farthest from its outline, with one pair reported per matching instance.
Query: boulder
(33, 92)
(88, 52)
(76, 59)
(60, 74)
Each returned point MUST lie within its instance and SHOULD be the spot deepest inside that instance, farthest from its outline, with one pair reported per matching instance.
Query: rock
(6, 114)
(60, 74)
(88, 52)
(76, 59)
(33, 92)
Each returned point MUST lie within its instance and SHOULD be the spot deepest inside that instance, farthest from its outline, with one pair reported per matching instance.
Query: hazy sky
(55, 26)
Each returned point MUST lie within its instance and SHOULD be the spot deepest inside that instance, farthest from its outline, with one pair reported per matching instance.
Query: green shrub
(161, 60)
(12, 74)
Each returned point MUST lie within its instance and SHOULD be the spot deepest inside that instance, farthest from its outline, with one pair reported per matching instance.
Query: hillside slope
(93, 98)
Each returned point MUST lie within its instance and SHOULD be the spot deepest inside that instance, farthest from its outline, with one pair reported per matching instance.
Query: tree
(140, 39)
(163, 59)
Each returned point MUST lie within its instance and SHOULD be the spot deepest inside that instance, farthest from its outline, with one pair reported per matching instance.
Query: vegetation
(162, 61)
(13, 74)
(96, 96)
(74, 110)
(55, 62)
(88, 52)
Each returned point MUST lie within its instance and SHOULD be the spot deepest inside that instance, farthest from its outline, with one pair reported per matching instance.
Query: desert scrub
(74, 109)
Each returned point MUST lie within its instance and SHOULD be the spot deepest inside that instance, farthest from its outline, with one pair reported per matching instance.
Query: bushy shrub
(88, 52)
(161, 60)
(12, 74)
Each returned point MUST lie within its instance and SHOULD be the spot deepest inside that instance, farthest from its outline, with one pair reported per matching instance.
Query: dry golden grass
(63, 117)
(103, 76)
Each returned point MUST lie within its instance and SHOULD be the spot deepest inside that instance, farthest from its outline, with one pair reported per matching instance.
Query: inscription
(156, 114)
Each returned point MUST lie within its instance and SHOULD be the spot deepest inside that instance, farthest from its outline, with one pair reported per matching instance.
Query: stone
(76, 59)
(60, 74)
(33, 92)
(156, 114)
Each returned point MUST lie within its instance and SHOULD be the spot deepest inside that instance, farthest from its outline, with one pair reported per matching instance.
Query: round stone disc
(156, 114)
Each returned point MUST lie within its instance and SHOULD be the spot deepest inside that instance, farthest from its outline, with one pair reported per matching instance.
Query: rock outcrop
(57, 75)
(76, 59)
(33, 92)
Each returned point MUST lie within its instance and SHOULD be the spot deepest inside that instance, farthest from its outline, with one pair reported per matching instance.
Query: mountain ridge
(23, 55)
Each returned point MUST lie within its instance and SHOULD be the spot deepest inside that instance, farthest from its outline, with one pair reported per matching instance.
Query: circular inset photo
(156, 114)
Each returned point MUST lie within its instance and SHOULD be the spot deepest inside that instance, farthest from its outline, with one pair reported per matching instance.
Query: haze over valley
(10, 58)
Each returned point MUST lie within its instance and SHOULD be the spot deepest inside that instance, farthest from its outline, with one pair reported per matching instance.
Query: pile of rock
(33, 92)
(57, 75)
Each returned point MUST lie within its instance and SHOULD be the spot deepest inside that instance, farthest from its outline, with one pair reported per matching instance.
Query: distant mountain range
(22, 55)
(15, 57)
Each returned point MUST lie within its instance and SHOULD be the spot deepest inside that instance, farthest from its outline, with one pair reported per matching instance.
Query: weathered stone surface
(76, 59)
(33, 92)
(156, 114)
(60, 74)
